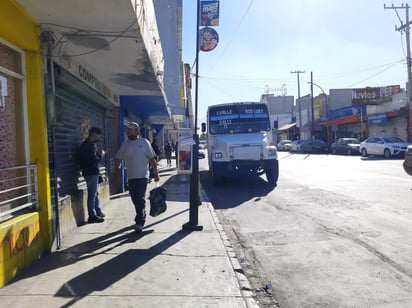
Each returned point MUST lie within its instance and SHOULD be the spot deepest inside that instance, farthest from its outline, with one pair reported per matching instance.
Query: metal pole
(192, 225)
(408, 51)
(408, 54)
(299, 107)
(312, 105)
(326, 99)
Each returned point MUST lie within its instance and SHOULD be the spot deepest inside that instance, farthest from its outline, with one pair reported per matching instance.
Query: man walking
(89, 158)
(138, 154)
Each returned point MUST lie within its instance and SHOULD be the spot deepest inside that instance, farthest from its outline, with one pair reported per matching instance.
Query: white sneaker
(138, 228)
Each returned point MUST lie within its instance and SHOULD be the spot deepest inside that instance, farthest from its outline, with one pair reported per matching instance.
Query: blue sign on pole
(209, 13)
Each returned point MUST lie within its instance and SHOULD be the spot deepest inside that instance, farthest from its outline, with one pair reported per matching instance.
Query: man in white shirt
(138, 154)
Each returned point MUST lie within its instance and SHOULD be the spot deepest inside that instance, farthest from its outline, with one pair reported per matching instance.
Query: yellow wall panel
(17, 27)
(20, 244)
(26, 237)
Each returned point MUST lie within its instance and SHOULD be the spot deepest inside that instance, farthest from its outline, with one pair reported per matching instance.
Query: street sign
(208, 39)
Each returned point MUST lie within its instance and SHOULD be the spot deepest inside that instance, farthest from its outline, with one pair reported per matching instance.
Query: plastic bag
(157, 199)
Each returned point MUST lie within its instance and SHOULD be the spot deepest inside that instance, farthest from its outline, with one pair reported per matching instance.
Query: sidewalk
(109, 265)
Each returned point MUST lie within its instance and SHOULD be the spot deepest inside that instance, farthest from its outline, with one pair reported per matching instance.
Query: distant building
(281, 110)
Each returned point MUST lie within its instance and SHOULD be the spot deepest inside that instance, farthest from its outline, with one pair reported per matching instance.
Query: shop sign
(377, 119)
(209, 13)
(347, 112)
(208, 38)
(373, 96)
(85, 74)
(93, 81)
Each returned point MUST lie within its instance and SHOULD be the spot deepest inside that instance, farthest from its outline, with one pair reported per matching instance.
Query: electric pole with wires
(405, 27)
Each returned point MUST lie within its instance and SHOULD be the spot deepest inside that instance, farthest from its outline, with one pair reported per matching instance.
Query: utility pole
(300, 109)
(405, 27)
(312, 106)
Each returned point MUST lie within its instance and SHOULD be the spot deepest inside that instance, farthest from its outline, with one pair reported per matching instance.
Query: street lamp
(316, 85)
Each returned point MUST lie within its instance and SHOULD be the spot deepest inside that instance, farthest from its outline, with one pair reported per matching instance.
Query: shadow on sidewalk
(88, 249)
(108, 273)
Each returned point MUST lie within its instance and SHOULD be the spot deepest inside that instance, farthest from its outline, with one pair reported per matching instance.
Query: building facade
(360, 113)
(66, 66)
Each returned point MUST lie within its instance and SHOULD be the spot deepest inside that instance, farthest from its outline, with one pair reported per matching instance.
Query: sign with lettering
(209, 13)
(85, 74)
(238, 118)
(348, 112)
(373, 96)
(377, 119)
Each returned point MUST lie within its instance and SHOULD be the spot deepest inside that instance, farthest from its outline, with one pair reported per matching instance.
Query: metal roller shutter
(75, 118)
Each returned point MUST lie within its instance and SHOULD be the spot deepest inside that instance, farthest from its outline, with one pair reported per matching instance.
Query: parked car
(295, 146)
(314, 146)
(407, 163)
(346, 146)
(284, 145)
(383, 146)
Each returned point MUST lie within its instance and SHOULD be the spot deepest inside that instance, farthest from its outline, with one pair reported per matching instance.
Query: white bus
(238, 141)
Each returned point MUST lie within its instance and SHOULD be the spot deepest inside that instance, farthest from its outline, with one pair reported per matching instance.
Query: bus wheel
(272, 173)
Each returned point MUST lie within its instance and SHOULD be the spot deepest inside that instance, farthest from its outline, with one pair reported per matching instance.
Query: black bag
(157, 201)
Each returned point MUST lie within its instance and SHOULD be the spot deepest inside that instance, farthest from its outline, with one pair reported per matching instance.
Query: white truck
(239, 142)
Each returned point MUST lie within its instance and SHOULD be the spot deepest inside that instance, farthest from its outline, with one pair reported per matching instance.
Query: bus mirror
(203, 127)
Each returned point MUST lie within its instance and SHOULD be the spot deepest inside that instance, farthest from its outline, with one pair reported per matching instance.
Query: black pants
(137, 189)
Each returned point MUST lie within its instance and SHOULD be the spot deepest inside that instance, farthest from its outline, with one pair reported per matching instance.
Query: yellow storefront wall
(20, 245)
(24, 238)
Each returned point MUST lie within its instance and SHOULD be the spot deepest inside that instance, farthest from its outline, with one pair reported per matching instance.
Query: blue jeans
(93, 195)
(137, 189)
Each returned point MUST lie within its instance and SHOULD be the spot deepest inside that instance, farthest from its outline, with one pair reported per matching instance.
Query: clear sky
(345, 43)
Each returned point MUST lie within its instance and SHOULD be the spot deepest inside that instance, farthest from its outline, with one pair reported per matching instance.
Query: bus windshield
(238, 118)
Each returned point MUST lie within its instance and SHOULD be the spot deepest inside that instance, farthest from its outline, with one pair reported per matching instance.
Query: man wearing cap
(138, 154)
(89, 158)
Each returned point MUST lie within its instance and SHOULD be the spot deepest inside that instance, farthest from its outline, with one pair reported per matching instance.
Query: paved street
(336, 232)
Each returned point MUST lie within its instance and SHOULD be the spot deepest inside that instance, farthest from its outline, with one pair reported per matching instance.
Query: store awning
(287, 126)
(345, 120)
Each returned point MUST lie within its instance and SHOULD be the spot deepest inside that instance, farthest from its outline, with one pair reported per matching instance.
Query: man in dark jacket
(89, 158)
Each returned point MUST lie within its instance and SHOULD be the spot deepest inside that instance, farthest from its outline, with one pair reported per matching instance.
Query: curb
(244, 285)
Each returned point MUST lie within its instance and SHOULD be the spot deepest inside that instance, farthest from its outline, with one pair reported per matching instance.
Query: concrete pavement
(109, 265)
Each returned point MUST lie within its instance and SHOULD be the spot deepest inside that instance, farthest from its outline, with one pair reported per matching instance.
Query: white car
(284, 145)
(295, 146)
(383, 146)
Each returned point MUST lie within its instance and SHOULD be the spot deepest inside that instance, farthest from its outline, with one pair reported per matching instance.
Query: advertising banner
(184, 150)
(209, 13)
(373, 96)
(347, 112)
(208, 38)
